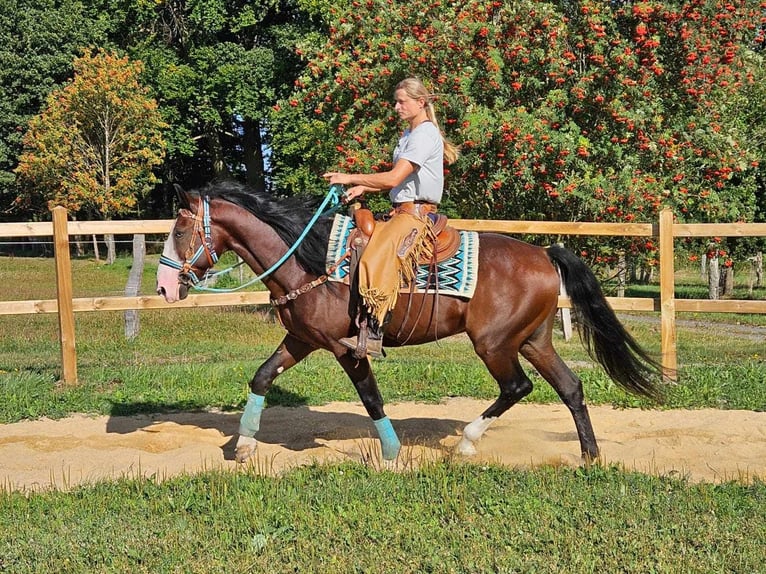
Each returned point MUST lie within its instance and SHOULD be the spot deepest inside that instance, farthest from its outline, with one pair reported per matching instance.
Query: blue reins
(332, 198)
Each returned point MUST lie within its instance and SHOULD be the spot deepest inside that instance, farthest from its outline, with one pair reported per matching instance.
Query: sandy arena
(702, 445)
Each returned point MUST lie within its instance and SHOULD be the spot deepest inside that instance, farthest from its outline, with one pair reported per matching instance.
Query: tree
(93, 149)
(564, 110)
(217, 67)
(38, 43)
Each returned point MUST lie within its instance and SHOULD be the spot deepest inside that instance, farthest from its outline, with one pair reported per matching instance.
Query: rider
(416, 184)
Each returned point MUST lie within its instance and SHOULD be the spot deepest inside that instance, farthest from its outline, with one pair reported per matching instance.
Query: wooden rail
(665, 230)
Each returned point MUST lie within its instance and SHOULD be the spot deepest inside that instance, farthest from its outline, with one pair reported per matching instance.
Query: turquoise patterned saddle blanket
(455, 276)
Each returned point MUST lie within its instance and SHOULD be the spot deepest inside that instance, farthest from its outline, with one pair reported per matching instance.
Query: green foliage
(217, 66)
(572, 111)
(94, 147)
(38, 43)
(564, 111)
(443, 517)
(214, 66)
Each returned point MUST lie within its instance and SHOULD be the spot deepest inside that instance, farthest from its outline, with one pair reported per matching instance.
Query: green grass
(180, 360)
(447, 516)
(689, 285)
(444, 517)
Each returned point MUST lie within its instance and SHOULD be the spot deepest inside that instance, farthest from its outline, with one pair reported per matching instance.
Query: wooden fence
(665, 230)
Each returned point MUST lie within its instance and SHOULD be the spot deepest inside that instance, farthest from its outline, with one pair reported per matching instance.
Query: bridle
(186, 273)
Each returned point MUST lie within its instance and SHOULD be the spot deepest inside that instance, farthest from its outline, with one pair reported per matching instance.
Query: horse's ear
(183, 196)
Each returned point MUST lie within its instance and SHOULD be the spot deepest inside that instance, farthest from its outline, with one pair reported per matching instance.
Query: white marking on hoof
(246, 447)
(390, 465)
(472, 433)
(465, 447)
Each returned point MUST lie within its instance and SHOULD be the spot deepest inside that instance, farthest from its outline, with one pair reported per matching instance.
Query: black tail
(603, 335)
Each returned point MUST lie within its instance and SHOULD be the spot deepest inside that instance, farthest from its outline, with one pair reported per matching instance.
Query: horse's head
(188, 251)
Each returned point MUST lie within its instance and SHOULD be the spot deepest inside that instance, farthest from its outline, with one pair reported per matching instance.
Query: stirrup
(362, 349)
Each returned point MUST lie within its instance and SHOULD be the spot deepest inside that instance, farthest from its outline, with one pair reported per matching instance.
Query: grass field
(180, 360)
(347, 518)
(446, 517)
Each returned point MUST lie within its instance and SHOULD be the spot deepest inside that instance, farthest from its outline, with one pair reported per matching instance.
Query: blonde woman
(416, 184)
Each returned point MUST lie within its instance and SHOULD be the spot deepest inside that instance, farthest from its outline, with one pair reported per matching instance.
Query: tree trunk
(253, 154)
(713, 277)
(564, 313)
(216, 153)
(96, 254)
(78, 249)
(759, 269)
(111, 251)
(622, 272)
(132, 324)
(727, 282)
(77, 240)
(647, 274)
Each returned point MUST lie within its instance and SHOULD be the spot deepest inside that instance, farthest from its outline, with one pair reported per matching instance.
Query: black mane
(287, 216)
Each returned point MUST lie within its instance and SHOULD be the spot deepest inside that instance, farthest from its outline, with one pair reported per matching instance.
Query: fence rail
(665, 230)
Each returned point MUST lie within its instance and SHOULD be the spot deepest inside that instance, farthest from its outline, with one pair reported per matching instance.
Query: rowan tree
(564, 110)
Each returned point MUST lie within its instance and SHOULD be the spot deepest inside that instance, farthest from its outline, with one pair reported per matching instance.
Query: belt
(416, 202)
(418, 208)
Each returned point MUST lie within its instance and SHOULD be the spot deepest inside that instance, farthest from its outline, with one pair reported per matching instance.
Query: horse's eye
(179, 234)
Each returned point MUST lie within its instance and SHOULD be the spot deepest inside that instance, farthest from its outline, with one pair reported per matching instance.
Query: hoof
(465, 447)
(246, 447)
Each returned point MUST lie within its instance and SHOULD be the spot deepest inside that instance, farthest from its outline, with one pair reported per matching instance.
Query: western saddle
(446, 239)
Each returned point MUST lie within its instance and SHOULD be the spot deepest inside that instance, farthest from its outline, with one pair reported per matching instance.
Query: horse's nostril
(160, 290)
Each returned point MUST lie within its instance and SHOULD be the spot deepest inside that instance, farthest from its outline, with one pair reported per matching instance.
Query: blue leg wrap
(251, 418)
(389, 442)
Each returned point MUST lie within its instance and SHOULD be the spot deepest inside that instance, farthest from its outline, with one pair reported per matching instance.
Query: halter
(202, 228)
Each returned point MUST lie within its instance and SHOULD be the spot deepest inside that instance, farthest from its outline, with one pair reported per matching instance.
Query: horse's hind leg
(503, 363)
(290, 352)
(546, 360)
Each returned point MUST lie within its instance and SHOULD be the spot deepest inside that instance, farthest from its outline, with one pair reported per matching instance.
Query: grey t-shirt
(424, 147)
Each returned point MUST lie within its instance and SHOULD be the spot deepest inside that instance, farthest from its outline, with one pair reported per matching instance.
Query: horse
(510, 314)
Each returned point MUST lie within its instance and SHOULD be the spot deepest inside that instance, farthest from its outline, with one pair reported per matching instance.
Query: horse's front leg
(290, 352)
(361, 375)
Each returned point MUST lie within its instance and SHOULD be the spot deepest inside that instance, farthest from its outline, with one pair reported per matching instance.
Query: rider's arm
(374, 182)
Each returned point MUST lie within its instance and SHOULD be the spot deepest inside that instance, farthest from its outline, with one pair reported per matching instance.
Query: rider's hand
(352, 193)
(335, 177)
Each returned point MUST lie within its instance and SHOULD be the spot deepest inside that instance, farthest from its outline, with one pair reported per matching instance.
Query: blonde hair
(415, 89)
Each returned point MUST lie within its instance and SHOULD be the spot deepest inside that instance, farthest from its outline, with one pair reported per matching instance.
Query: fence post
(132, 321)
(64, 295)
(667, 295)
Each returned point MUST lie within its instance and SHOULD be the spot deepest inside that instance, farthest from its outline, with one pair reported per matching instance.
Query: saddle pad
(455, 276)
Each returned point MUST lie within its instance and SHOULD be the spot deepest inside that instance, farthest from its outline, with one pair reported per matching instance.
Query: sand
(701, 445)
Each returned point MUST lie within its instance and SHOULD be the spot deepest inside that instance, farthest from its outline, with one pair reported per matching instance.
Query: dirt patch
(703, 445)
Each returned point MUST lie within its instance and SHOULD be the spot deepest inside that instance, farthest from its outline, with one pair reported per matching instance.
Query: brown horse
(511, 312)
